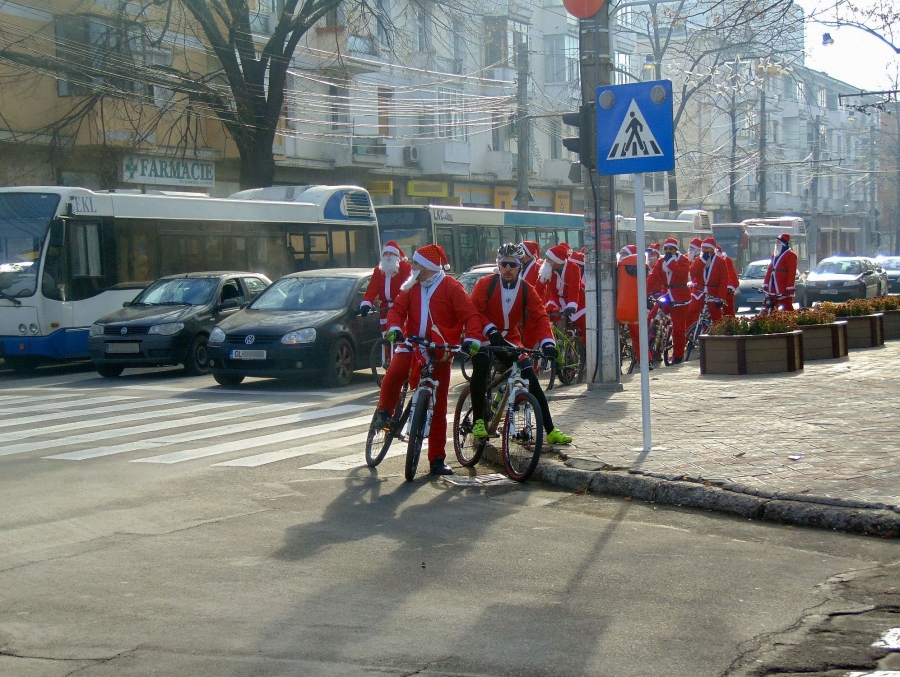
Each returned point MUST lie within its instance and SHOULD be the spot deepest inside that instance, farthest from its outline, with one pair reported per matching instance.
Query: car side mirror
(229, 303)
(126, 304)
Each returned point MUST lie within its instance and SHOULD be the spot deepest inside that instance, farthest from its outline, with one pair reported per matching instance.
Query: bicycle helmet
(510, 250)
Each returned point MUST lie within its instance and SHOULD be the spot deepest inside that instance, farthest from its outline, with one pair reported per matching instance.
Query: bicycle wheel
(543, 369)
(627, 357)
(572, 366)
(465, 366)
(416, 436)
(523, 437)
(668, 343)
(380, 359)
(379, 440)
(692, 344)
(468, 449)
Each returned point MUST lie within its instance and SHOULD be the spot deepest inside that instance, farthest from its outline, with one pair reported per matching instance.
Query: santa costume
(386, 280)
(782, 273)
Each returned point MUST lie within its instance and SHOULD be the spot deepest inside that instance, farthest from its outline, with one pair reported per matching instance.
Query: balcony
(446, 158)
(500, 163)
(369, 150)
(332, 48)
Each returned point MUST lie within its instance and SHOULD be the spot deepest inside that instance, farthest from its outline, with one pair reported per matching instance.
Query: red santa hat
(392, 247)
(532, 248)
(629, 249)
(785, 238)
(432, 257)
(577, 257)
(695, 243)
(709, 242)
(559, 253)
(671, 242)
(655, 247)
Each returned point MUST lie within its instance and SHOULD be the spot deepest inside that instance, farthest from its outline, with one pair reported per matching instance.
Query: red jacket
(696, 273)
(508, 320)
(530, 275)
(564, 288)
(715, 277)
(781, 275)
(672, 275)
(449, 309)
(733, 280)
(384, 287)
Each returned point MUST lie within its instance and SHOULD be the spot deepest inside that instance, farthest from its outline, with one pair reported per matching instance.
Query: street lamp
(827, 40)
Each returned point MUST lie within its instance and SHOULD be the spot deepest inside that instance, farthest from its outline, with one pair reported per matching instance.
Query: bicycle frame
(514, 385)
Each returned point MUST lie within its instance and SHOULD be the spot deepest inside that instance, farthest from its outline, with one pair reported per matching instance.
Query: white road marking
(353, 461)
(50, 406)
(91, 413)
(313, 448)
(12, 399)
(207, 433)
(193, 454)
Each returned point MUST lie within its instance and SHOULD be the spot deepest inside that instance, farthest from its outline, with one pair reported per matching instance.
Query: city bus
(471, 235)
(69, 256)
(689, 224)
(754, 239)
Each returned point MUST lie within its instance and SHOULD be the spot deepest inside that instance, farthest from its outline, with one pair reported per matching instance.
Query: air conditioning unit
(411, 155)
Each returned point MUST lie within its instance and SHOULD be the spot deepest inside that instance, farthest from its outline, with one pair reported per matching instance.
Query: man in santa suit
(531, 262)
(506, 301)
(671, 274)
(386, 280)
(654, 251)
(432, 306)
(579, 317)
(733, 284)
(782, 273)
(695, 283)
(563, 280)
(715, 283)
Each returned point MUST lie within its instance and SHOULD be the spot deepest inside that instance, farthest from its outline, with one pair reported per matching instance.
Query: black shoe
(677, 360)
(438, 467)
(382, 420)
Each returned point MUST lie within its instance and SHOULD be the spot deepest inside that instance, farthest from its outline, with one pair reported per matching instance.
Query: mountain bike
(381, 353)
(570, 364)
(659, 333)
(627, 354)
(692, 335)
(509, 402)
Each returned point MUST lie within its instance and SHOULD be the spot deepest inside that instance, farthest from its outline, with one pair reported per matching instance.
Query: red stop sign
(583, 9)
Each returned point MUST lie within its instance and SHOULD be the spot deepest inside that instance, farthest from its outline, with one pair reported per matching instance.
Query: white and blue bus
(471, 235)
(69, 256)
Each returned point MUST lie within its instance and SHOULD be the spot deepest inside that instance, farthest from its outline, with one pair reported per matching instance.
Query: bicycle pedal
(403, 438)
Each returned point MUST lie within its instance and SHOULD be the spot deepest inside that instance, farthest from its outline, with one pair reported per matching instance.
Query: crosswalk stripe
(193, 454)
(206, 433)
(12, 399)
(91, 413)
(314, 448)
(46, 445)
(48, 406)
(353, 461)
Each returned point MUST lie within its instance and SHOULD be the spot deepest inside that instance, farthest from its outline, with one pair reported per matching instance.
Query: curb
(819, 512)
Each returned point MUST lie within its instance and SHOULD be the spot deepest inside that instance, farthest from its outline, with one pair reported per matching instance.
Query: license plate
(828, 291)
(248, 354)
(123, 347)
(754, 299)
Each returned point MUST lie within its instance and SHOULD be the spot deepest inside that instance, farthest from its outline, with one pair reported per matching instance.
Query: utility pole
(523, 127)
(814, 200)
(871, 221)
(602, 341)
(762, 150)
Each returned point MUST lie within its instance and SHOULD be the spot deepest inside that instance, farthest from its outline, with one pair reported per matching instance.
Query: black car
(169, 321)
(750, 284)
(841, 278)
(304, 324)
(891, 266)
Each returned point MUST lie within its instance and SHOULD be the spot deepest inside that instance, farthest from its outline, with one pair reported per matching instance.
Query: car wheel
(196, 360)
(228, 379)
(110, 370)
(340, 364)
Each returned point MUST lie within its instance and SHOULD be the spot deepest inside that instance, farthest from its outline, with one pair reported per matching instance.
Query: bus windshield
(410, 227)
(24, 221)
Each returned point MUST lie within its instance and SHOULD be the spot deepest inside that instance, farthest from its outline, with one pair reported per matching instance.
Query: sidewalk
(817, 448)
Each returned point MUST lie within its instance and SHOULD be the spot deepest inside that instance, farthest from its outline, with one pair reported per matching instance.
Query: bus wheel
(196, 360)
(109, 370)
(21, 365)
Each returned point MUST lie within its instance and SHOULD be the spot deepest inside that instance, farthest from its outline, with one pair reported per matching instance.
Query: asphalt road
(182, 528)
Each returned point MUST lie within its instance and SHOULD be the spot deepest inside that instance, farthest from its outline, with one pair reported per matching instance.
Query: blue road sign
(634, 128)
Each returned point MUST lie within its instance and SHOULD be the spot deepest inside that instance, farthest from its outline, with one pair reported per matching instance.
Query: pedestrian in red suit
(672, 273)
(654, 251)
(579, 317)
(696, 281)
(434, 306)
(733, 284)
(781, 275)
(715, 283)
(387, 277)
(563, 280)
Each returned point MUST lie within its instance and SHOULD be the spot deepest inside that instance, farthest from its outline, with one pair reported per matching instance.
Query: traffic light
(585, 143)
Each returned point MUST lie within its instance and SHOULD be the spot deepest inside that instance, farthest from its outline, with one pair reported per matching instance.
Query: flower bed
(865, 326)
(741, 354)
(823, 337)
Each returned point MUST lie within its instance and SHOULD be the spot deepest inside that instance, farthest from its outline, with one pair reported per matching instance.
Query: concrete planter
(891, 324)
(865, 331)
(763, 354)
(825, 341)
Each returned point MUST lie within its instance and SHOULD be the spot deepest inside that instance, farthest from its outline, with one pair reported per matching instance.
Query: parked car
(751, 280)
(891, 267)
(475, 273)
(305, 324)
(840, 278)
(169, 321)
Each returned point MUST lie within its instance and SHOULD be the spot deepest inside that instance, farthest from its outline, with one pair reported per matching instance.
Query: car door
(255, 286)
(231, 297)
(871, 279)
(366, 330)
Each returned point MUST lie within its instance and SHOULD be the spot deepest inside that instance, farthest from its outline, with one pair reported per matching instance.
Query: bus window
(468, 247)
(363, 250)
(527, 234)
(490, 243)
(340, 248)
(445, 240)
(86, 270)
(575, 238)
(546, 239)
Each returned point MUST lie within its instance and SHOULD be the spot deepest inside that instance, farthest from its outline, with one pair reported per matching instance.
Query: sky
(857, 58)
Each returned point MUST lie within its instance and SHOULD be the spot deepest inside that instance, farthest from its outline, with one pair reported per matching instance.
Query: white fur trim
(392, 250)
(425, 263)
(408, 283)
(554, 258)
(368, 304)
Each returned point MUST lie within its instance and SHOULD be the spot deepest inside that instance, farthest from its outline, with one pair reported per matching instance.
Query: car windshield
(24, 221)
(838, 268)
(889, 262)
(184, 291)
(469, 278)
(755, 271)
(306, 293)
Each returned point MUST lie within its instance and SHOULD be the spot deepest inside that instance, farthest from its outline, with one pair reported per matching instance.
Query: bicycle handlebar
(511, 349)
(411, 341)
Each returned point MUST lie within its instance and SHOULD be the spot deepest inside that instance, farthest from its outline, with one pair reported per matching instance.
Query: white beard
(410, 282)
(779, 248)
(390, 265)
(692, 254)
(546, 271)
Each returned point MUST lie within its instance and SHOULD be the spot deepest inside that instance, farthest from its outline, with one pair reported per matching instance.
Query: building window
(801, 92)
(382, 20)
(451, 115)
(502, 36)
(655, 182)
(340, 107)
(497, 122)
(384, 110)
(555, 140)
(459, 46)
(823, 98)
(561, 58)
(423, 29)
(624, 69)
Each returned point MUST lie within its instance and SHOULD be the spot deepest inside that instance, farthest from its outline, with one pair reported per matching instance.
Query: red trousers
(397, 374)
(679, 315)
(729, 309)
(784, 303)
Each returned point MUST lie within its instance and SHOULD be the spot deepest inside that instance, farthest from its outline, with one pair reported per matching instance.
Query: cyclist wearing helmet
(506, 302)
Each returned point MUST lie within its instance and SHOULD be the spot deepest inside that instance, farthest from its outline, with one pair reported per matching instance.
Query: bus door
(468, 247)
(445, 240)
(490, 243)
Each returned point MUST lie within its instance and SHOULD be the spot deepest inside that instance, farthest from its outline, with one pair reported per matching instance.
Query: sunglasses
(510, 264)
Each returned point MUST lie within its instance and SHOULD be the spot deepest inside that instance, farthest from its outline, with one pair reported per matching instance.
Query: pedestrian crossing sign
(634, 128)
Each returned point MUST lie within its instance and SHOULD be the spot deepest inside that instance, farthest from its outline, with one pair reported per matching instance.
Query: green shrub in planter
(808, 317)
(852, 308)
(777, 323)
(883, 303)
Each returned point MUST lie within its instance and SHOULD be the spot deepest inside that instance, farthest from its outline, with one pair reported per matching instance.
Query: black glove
(650, 303)
(719, 303)
(364, 310)
(496, 338)
(394, 336)
(568, 312)
(549, 350)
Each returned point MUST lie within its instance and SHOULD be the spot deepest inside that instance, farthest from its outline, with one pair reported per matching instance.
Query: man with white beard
(781, 273)
(386, 280)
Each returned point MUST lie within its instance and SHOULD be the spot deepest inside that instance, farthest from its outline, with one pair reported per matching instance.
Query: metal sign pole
(643, 351)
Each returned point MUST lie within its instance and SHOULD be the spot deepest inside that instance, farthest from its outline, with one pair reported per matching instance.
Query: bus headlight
(33, 328)
(97, 329)
(307, 335)
(216, 336)
(166, 329)
(23, 329)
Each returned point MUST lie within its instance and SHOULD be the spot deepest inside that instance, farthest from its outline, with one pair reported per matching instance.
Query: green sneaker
(556, 437)
(478, 430)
